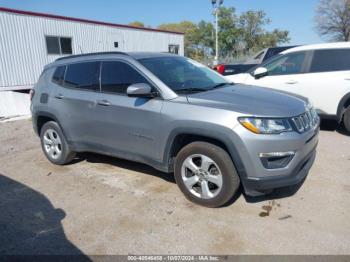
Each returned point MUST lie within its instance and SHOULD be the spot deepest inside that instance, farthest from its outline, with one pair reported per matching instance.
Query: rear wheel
(205, 174)
(54, 144)
(346, 119)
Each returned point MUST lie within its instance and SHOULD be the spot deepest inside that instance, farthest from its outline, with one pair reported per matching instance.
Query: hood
(251, 100)
(237, 78)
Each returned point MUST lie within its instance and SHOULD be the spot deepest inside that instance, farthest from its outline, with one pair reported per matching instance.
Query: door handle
(59, 96)
(103, 103)
(291, 82)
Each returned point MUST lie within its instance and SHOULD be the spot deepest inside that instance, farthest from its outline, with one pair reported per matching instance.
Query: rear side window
(330, 60)
(58, 75)
(83, 76)
(117, 76)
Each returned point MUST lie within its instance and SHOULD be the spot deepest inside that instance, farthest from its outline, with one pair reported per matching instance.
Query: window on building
(66, 45)
(117, 76)
(330, 60)
(58, 76)
(83, 76)
(116, 44)
(58, 45)
(174, 49)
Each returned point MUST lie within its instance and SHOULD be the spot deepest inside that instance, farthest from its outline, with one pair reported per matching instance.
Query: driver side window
(288, 64)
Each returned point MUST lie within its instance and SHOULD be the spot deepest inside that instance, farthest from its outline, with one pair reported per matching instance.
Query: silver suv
(175, 115)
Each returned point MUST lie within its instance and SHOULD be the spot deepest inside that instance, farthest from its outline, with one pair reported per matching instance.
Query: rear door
(74, 100)
(126, 125)
(327, 79)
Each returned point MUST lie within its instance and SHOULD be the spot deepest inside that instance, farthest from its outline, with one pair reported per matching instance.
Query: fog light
(276, 160)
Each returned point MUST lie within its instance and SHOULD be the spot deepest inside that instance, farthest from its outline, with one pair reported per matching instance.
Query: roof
(135, 55)
(72, 19)
(318, 47)
(144, 55)
(107, 55)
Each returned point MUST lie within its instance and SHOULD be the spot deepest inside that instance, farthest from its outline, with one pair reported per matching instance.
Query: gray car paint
(143, 129)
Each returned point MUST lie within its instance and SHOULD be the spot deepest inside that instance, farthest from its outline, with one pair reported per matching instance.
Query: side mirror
(140, 90)
(260, 72)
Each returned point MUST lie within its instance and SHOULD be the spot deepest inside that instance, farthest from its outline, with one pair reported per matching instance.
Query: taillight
(221, 69)
(31, 94)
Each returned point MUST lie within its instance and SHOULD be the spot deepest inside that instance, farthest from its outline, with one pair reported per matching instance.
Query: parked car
(262, 56)
(178, 116)
(319, 72)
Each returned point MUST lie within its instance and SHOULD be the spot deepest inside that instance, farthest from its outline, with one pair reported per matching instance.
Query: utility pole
(216, 9)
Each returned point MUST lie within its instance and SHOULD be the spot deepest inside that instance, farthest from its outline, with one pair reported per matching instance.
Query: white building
(29, 41)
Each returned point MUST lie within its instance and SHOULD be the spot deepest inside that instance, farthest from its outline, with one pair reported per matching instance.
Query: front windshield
(183, 75)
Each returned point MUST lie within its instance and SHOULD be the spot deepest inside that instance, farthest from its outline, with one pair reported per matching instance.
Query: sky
(296, 16)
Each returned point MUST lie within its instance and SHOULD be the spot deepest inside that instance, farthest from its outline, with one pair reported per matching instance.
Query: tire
(209, 162)
(54, 144)
(346, 120)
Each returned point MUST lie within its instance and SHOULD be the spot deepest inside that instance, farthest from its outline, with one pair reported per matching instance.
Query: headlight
(265, 125)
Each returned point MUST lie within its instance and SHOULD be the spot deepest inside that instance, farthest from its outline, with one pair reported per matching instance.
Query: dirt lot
(101, 205)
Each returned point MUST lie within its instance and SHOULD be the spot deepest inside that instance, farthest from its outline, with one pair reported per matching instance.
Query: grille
(306, 121)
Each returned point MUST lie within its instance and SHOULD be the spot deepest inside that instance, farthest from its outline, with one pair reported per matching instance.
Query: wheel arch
(41, 118)
(343, 104)
(184, 136)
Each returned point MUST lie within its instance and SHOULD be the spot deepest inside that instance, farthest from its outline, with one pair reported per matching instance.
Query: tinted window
(182, 74)
(286, 64)
(66, 45)
(330, 60)
(58, 45)
(52, 45)
(174, 49)
(58, 76)
(116, 77)
(83, 76)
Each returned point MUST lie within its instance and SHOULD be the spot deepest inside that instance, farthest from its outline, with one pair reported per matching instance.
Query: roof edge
(73, 19)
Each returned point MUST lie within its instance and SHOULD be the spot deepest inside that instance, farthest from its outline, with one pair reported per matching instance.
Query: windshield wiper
(221, 85)
(191, 90)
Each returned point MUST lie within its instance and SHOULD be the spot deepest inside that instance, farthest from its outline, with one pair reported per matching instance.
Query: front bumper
(256, 178)
(262, 184)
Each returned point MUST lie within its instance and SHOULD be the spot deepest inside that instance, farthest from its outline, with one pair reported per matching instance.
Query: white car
(319, 72)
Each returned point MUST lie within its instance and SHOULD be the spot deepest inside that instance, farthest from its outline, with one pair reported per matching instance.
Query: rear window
(83, 76)
(330, 60)
(58, 75)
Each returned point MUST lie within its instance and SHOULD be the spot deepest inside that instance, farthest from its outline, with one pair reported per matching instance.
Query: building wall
(23, 52)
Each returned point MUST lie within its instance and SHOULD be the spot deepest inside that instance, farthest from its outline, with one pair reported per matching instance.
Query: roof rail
(90, 54)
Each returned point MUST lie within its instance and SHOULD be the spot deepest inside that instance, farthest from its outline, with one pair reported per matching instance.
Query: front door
(127, 125)
(284, 73)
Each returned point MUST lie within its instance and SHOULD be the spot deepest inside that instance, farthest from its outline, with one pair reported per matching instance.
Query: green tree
(191, 34)
(238, 35)
(253, 35)
(228, 31)
(137, 24)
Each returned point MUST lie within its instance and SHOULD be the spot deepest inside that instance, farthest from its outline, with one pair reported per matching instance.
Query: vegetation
(137, 24)
(333, 19)
(239, 35)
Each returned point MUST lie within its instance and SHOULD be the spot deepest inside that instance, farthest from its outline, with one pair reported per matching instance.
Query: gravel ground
(101, 205)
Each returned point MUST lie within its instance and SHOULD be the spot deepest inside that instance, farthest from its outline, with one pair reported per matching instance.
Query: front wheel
(206, 175)
(346, 119)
